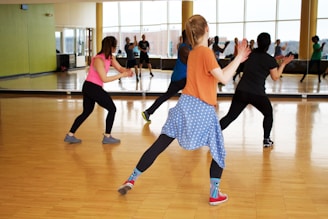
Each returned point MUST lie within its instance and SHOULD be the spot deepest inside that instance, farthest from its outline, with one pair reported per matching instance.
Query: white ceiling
(58, 1)
(40, 1)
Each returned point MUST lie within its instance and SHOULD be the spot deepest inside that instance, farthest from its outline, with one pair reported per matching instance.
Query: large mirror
(280, 18)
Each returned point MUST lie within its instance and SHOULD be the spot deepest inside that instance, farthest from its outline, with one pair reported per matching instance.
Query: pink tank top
(93, 75)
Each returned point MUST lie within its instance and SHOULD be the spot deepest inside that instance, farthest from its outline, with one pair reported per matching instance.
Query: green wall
(27, 39)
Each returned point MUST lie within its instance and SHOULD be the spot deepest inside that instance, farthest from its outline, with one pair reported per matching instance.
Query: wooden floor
(41, 176)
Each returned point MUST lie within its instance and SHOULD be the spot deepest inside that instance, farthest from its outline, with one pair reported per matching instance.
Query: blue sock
(135, 174)
(214, 190)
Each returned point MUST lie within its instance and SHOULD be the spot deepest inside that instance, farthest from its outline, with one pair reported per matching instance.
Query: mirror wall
(162, 29)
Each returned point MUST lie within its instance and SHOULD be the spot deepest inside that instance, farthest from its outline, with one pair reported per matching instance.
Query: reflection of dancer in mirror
(144, 47)
(278, 49)
(325, 73)
(252, 44)
(217, 49)
(180, 42)
(131, 59)
(178, 78)
(251, 87)
(193, 121)
(278, 52)
(93, 91)
(235, 51)
(315, 57)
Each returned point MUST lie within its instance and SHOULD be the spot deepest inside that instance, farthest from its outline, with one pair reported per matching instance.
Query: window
(227, 19)
(322, 24)
(259, 10)
(59, 46)
(130, 13)
(230, 11)
(174, 12)
(206, 8)
(284, 11)
(110, 14)
(69, 47)
(151, 16)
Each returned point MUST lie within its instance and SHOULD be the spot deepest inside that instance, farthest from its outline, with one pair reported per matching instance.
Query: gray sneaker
(110, 140)
(267, 142)
(72, 139)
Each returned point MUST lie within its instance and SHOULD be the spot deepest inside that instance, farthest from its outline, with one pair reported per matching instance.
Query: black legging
(311, 63)
(240, 100)
(174, 88)
(92, 94)
(161, 143)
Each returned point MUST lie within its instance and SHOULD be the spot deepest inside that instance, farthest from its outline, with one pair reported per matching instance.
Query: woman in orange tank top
(193, 121)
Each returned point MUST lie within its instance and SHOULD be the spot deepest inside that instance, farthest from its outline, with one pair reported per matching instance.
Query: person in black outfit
(131, 59)
(144, 47)
(217, 49)
(251, 87)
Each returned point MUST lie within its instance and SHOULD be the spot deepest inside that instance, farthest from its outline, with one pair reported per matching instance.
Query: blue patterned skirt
(194, 124)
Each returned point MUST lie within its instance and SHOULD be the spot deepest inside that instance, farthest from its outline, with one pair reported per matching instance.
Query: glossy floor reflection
(71, 82)
(43, 177)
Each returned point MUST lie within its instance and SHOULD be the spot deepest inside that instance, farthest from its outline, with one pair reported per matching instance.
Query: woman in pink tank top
(93, 91)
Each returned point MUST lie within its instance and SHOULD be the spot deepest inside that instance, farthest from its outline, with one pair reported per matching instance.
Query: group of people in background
(144, 48)
(197, 72)
(316, 57)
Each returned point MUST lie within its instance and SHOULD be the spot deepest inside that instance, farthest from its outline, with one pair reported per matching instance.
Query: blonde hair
(195, 29)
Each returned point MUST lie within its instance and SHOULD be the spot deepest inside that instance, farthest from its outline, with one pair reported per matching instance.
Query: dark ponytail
(108, 44)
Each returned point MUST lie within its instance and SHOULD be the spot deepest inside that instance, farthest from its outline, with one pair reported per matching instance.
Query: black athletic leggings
(311, 63)
(162, 142)
(92, 94)
(174, 88)
(240, 100)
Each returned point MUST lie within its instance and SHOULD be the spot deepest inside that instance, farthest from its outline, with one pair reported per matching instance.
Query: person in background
(93, 91)
(144, 47)
(131, 59)
(325, 73)
(235, 51)
(278, 52)
(193, 121)
(178, 78)
(252, 44)
(217, 49)
(278, 49)
(315, 57)
(180, 42)
(251, 87)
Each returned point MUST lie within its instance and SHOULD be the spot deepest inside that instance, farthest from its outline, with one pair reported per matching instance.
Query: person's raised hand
(288, 59)
(243, 50)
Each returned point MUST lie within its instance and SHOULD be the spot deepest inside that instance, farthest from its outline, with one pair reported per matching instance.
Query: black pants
(311, 63)
(174, 88)
(162, 142)
(239, 70)
(92, 94)
(240, 100)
